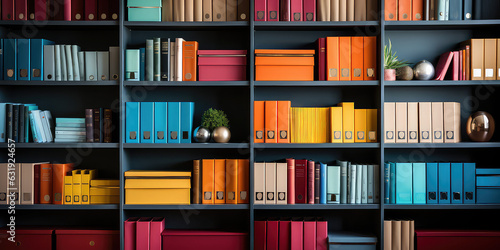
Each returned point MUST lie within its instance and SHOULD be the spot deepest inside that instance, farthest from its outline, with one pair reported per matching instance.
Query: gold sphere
(221, 135)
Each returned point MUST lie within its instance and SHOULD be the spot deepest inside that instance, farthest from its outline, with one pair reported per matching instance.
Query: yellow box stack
(157, 187)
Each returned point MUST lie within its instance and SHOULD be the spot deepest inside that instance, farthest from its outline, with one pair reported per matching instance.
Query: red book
(272, 235)
(259, 235)
(41, 10)
(310, 182)
(273, 7)
(67, 10)
(21, 10)
(7, 9)
(296, 235)
(309, 10)
(91, 10)
(321, 72)
(260, 10)
(321, 235)
(443, 65)
(36, 185)
(290, 181)
(285, 10)
(55, 9)
(309, 235)
(142, 233)
(460, 63)
(103, 10)
(284, 235)
(77, 8)
(300, 181)
(157, 227)
(456, 61)
(296, 10)
(129, 235)
(114, 6)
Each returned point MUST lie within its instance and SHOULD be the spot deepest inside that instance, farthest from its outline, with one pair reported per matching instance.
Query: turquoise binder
(419, 183)
(392, 197)
(132, 117)
(457, 180)
(9, 59)
(174, 122)
(160, 122)
(404, 183)
(36, 58)
(469, 183)
(432, 183)
(187, 113)
(23, 59)
(147, 122)
(444, 183)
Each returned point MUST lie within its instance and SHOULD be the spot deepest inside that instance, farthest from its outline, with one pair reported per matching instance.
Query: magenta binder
(143, 231)
(443, 65)
(130, 227)
(157, 227)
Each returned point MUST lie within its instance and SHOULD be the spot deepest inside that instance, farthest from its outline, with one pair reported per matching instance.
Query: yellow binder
(371, 125)
(348, 121)
(77, 186)
(87, 175)
(336, 125)
(360, 125)
(68, 189)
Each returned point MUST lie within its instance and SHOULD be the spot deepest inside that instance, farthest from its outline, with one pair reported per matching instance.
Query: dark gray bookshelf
(413, 41)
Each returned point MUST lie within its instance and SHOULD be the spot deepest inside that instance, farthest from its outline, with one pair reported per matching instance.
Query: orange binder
(404, 10)
(332, 58)
(345, 58)
(391, 10)
(220, 181)
(189, 62)
(45, 183)
(58, 173)
(207, 181)
(417, 10)
(271, 116)
(258, 121)
(357, 58)
(231, 180)
(284, 121)
(243, 181)
(370, 58)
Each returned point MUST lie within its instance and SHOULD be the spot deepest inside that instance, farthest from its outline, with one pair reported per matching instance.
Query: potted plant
(216, 121)
(391, 63)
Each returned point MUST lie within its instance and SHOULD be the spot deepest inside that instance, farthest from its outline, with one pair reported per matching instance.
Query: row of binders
(25, 123)
(430, 183)
(41, 60)
(417, 10)
(316, 10)
(78, 191)
(422, 122)
(188, 10)
(277, 122)
(308, 233)
(399, 234)
(68, 10)
(143, 233)
(478, 59)
(220, 181)
(309, 182)
(159, 122)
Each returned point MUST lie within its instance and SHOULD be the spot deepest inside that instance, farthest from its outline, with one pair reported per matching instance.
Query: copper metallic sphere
(221, 135)
(480, 126)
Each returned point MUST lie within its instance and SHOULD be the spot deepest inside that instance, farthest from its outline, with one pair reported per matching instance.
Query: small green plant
(213, 118)
(391, 60)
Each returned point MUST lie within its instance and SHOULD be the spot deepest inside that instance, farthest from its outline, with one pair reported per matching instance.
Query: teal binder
(187, 113)
(132, 118)
(444, 186)
(147, 122)
(392, 197)
(419, 183)
(404, 183)
(174, 122)
(457, 180)
(160, 122)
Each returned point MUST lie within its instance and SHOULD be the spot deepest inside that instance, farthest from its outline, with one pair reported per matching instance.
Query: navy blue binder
(456, 10)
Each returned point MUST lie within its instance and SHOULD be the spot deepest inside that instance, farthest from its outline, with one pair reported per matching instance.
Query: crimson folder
(157, 227)
(272, 235)
(284, 235)
(143, 232)
(129, 236)
(260, 235)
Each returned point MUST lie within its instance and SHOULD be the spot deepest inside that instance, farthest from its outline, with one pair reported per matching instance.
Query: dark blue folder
(23, 59)
(444, 184)
(432, 183)
(457, 183)
(9, 59)
(469, 183)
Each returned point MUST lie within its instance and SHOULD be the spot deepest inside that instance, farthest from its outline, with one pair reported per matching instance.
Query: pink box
(222, 65)
(207, 240)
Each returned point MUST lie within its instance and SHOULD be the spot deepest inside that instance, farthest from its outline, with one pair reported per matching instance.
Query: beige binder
(189, 10)
(259, 180)
(3, 183)
(207, 10)
(451, 118)
(281, 183)
(425, 122)
(334, 10)
(350, 10)
(498, 59)
(198, 10)
(401, 122)
(405, 235)
(477, 59)
(360, 10)
(167, 14)
(343, 10)
(387, 235)
(17, 183)
(396, 235)
(490, 59)
(178, 10)
(413, 122)
(219, 11)
(28, 175)
(323, 10)
(270, 183)
(412, 235)
(437, 122)
(232, 10)
(389, 122)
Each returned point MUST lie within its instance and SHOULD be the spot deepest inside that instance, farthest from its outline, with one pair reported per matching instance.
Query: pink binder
(296, 10)
(321, 235)
(309, 10)
(309, 235)
(443, 65)
(297, 235)
(157, 227)
(130, 227)
(456, 61)
(143, 232)
(260, 10)
(273, 10)
(284, 235)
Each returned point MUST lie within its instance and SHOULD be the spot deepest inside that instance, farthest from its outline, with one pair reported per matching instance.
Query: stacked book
(306, 233)
(399, 234)
(70, 130)
(104, 191)
(18, 121)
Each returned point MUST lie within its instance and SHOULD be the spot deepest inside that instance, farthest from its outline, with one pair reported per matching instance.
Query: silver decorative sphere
(221, 135)
(423, 70)
(201, 134)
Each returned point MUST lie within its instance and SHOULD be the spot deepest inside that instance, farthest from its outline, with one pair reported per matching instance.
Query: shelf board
(442, 206)
(444, 145)
(187, 207)
(316, 145)
(316, 206)
(184, 25)
(314, 83)
(62, 207)
(63, 24)
(59, 83)
(62, 145)
(318, 25)
(186, 145)
(440, 25)
(187, 84)
(432, 83)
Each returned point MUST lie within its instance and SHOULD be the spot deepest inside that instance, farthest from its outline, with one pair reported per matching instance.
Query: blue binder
(488, 195)
(23, 59)
(457, 181)
(3, 122)
(404, 183)
(174, 122)
(9, 59)
(187, 113)
(147, 122)
(322, 181)
(132, 118)
(27, 121)
(418, 183)
(387, 185)
(1, 59)
(160, 122)
(488, 171)
(467, 10)
(36, 58)
(432, 183)
(456, 10)
(444, 184)
(142, 63)
(392, 197)
(469, 183)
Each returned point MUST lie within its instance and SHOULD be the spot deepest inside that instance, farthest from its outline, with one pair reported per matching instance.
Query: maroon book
(284, 235)
(457, 239)
(285, 10)
(259, 235)
(36, 185)
(77, 8)
(67, 10)
(31, 9)
(114, 6)
(55, 9)
(107, 125)
(321, 70)
(272, 235)
(7, 9)
(310, 182)
(41, 10)
(300, 181)
(103, 10)
(91, 10)
(89, 124)
(290, 181)
(321, 235)
(21, 10)
(97, 125)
